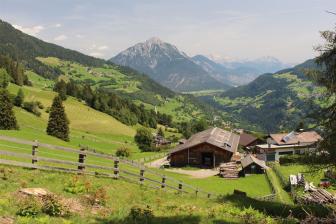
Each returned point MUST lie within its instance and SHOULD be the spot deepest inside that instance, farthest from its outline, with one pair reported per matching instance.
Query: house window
(286, 153)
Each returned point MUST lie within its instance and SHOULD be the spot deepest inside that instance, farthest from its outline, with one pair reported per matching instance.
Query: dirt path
(199, 173)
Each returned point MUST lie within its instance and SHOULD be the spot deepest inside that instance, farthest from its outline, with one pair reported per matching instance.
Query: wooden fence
(269, 197)
(82, 161)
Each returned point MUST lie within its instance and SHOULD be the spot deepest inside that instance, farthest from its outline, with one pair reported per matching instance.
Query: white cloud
(29, 30)
(58, 25)
(79, 36)
(102, 48)
(60, 38)
(96, 54)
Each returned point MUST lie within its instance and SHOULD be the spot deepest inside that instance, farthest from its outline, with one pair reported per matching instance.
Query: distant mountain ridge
(239, 72)
(169, 66)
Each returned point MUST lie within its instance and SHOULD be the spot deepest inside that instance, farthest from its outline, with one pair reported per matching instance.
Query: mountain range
(167, 65)
(174, 69)
(271, 102)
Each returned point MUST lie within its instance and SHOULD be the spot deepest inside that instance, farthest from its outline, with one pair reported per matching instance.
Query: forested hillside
(273, 102)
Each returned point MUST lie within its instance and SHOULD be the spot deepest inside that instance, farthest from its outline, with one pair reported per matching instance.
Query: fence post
(196, 191)
(180, 187)
(116, 169)
(142, 171)
(209, 195)
(81, 159)
(34, 151)
(163, 185)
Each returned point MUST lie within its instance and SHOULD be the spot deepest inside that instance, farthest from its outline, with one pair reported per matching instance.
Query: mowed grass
(121, 197)
(254, 185)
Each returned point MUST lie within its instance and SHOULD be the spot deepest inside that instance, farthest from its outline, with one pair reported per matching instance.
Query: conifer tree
(58, 124)
(7, 116)
(4, 78)
(18, 100)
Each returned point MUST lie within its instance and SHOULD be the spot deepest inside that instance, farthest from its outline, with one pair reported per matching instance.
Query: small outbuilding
(206, 149)
(252, 165)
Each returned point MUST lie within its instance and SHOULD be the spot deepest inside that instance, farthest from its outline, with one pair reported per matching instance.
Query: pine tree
(58, 124)
(4, 78)
(61, 88)
(18, 100)
(7, 116)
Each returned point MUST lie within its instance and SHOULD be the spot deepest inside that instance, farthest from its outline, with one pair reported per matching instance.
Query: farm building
(247, 140)
(251, 164)
(288, 144)
(206, 149)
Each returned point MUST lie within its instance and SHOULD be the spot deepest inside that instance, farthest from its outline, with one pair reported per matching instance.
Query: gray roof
(214, 136)
(249, 159)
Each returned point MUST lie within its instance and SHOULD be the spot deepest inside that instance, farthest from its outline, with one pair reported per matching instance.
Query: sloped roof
(246, 139)
(215, 136)
(296, 137)
(249, 159)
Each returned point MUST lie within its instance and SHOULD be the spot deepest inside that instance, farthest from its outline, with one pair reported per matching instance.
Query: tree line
(110, 103)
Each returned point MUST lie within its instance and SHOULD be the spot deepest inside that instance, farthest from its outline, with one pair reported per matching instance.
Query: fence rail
(86, 163)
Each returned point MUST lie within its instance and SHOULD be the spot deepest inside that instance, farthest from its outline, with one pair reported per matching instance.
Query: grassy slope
(122, 196)
(110, 78)
(88, 127)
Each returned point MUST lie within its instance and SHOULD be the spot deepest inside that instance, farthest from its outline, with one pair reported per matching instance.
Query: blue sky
(233, 29)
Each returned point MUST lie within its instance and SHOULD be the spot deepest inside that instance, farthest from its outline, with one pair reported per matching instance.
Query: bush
(51, 206)
(144, 139)
(289, 159)
(123, 152)
(99, 197)
(32, 107)
(29, 207)
(75, 186)
(141, 214)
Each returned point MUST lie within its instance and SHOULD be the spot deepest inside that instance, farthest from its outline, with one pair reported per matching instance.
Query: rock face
(167, 65)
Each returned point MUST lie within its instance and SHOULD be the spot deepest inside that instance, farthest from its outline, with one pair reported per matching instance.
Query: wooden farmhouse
(288, 144)
(206, 149)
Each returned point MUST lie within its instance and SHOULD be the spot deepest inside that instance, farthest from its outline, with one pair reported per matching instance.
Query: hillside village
(126, 140)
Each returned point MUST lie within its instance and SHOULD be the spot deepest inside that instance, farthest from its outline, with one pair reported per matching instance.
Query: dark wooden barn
(252, 165)
(206, 149)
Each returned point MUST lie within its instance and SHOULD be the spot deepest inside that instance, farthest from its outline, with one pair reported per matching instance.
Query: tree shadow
(160, 220)
(273, 208)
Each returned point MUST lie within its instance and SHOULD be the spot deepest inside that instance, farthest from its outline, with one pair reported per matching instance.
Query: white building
(288, 144)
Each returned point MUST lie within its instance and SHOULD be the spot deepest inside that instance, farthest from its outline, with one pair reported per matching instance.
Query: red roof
(246, 139)
(296, 137)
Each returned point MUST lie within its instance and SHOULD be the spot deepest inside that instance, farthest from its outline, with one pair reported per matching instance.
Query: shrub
(51, 206)
(123, 152)
(75, 186)
(29, 207)
(289, 159)
(19, 98)
(99, 197)
(141, 214)
(32, 107)
(144, 139)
